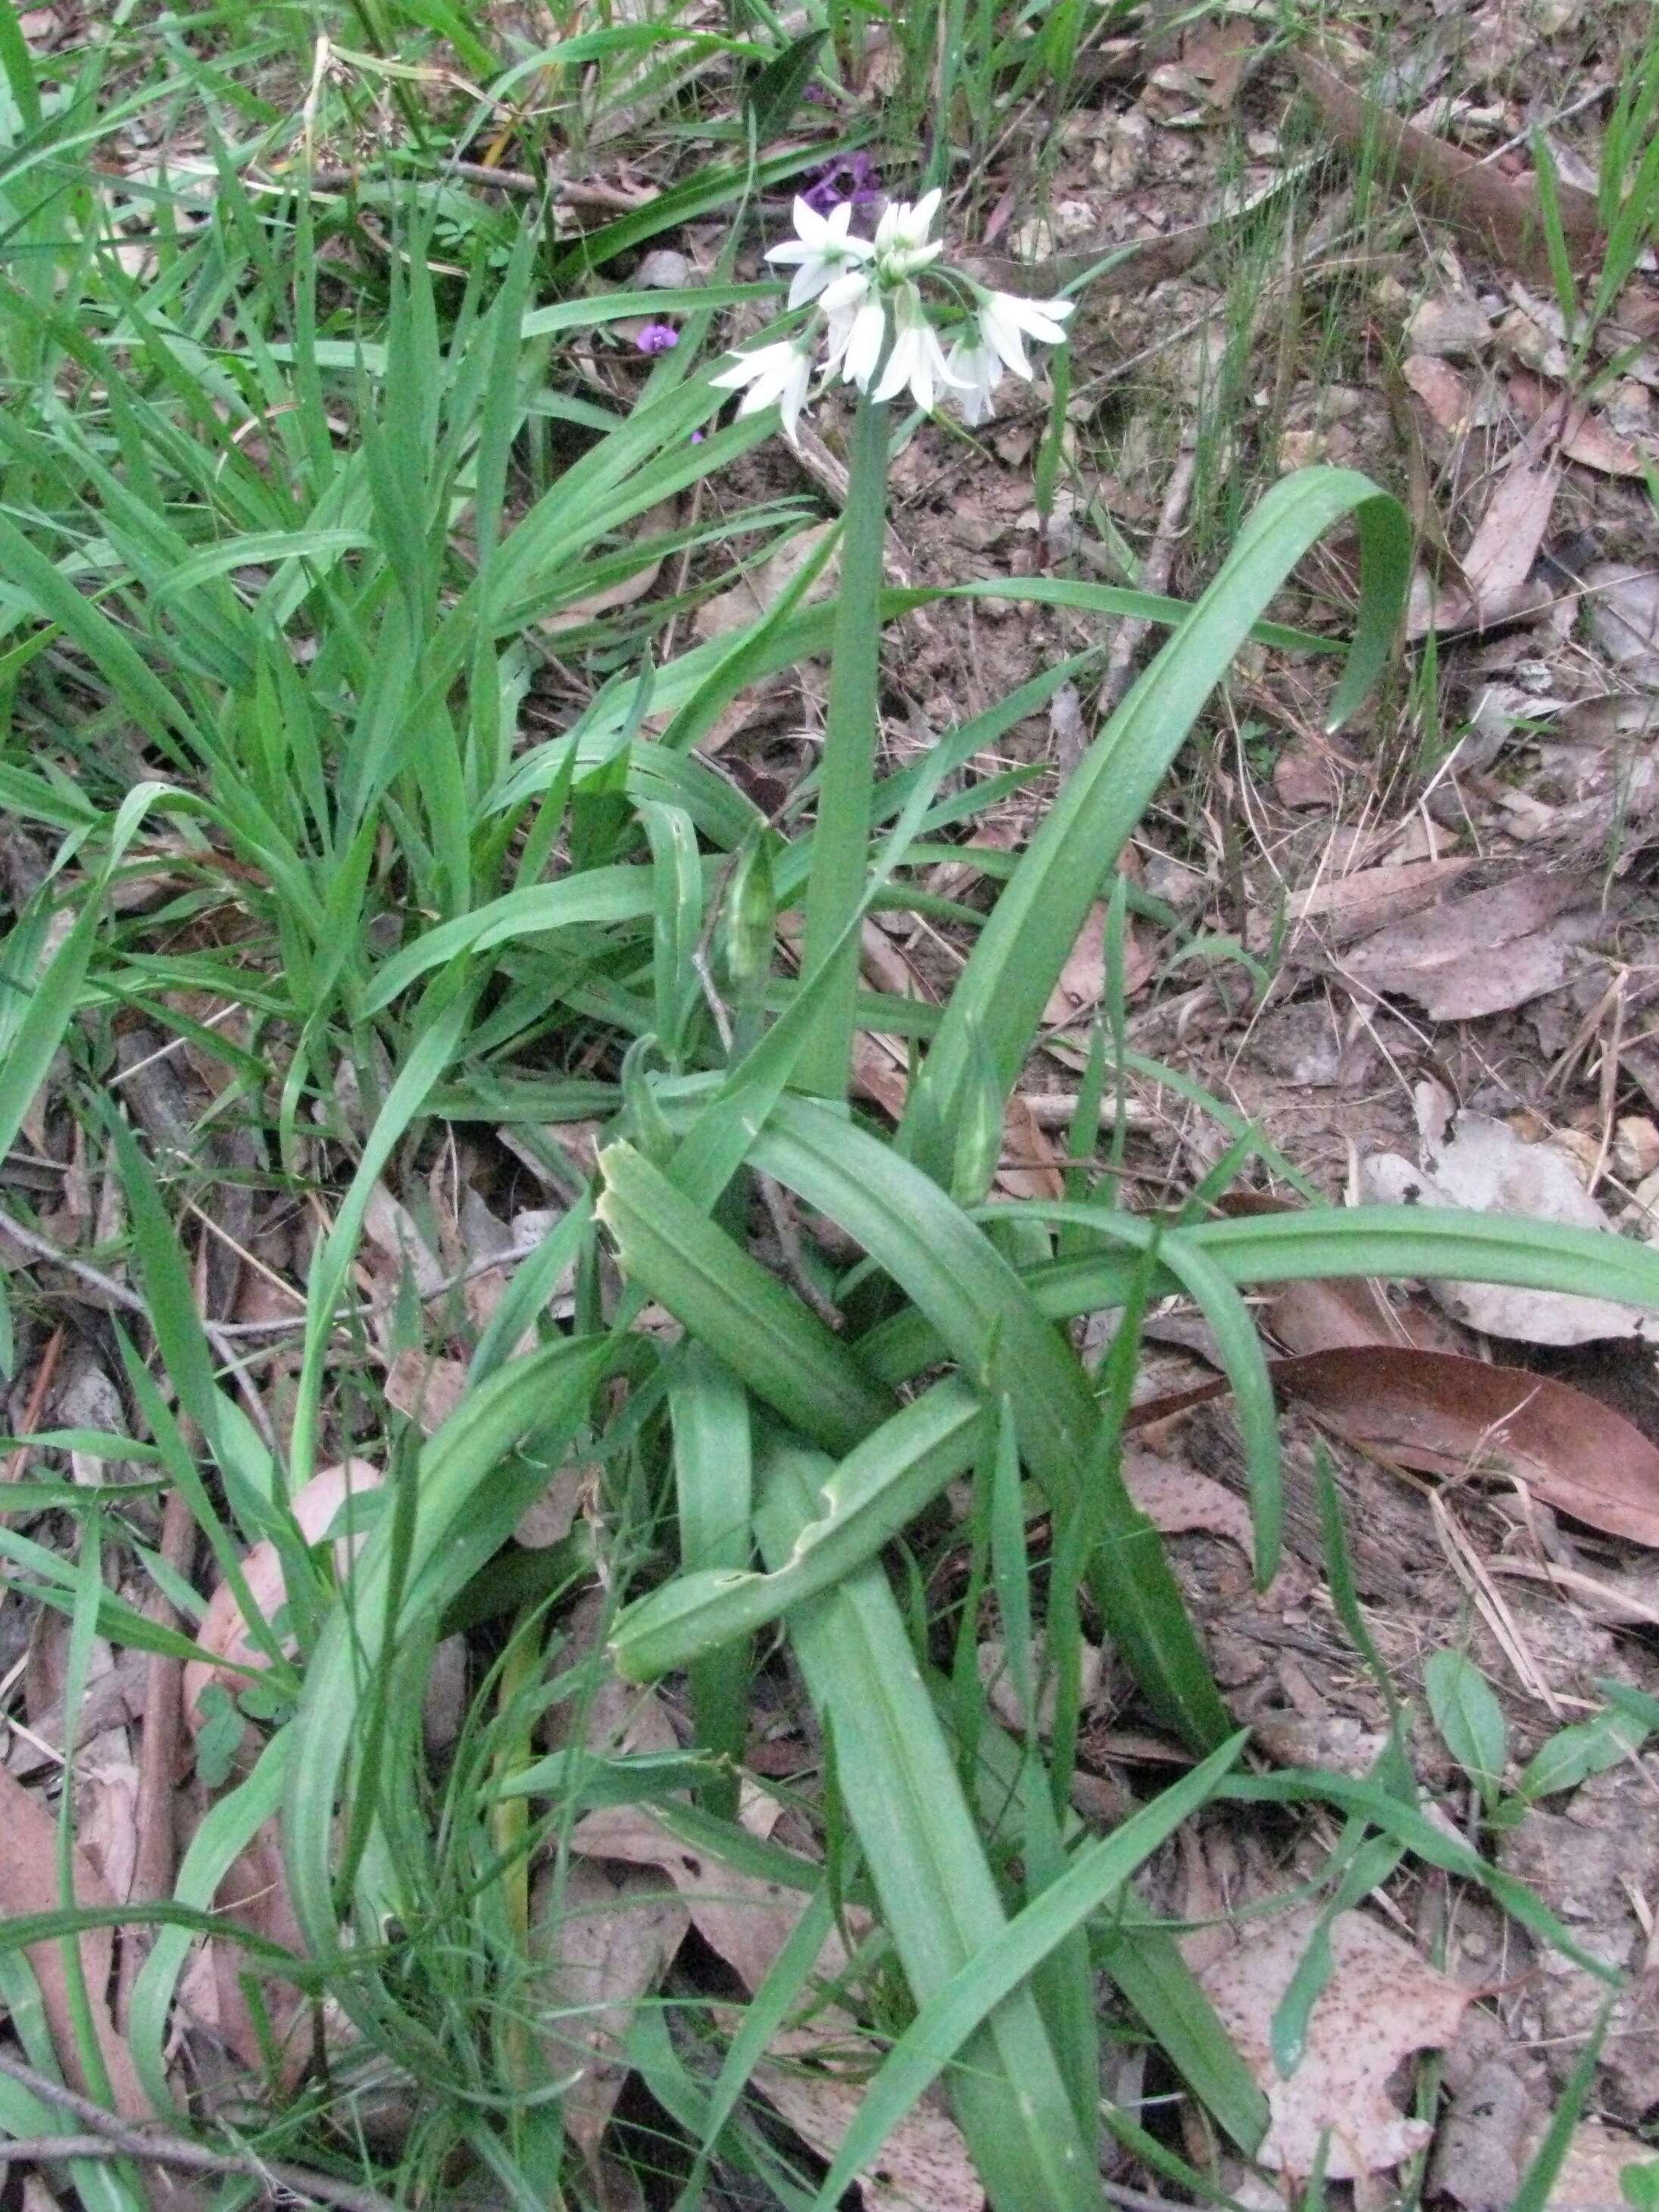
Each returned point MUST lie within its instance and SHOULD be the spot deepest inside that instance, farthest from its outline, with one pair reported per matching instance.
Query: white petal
(742, 372)
(792, 249)
(810, 225)
(792, 397)
(763, 365)
(1000, 331)
(846, 292)
(864, 344)
(900, 363)
(810, 279)
(1038, 318)
(922, 214)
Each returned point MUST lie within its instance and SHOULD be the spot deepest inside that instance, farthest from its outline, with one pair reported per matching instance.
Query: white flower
(917, 359)
(856, 332)
(978, 370)
(902, 244)
(823, 247)
(779, 373)
(1003, 318)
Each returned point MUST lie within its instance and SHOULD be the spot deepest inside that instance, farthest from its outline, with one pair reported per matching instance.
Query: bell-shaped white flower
(917, 360)
(1005, 322)
(977, 368)
(822, 249)
(902, 244)
(780, 372)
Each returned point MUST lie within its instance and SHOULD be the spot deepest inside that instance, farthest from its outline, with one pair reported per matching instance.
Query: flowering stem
(846, 781)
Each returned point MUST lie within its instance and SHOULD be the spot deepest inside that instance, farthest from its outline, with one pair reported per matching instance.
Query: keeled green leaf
(1470, 1718)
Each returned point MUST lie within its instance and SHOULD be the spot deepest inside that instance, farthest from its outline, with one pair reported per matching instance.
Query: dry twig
(114, 2138)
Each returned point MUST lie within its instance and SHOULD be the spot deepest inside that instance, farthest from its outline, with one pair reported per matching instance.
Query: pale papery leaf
(607, 1938)
(29, 1885)
(745, 1919)
(1383, 2002)
(924, 2162)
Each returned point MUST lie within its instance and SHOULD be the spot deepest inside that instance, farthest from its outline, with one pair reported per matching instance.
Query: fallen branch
(112, 2138)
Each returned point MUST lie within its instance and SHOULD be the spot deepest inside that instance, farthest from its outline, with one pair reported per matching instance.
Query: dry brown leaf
(426, 1387)
(254, 1893)
(29, 1885)
(1027, 1167)
(746, 601)
(876, 1078)
(1381, 2003)
(223, 1629)
(1503, 547)
(747, 1920)
(1445, 393)
(1216, 52)
(551, 1517)
(1322, 1314)
(1500, 214)
(1481, 2151)
(991, 1660)
(106, 1809)
(1586, 438)
(924, 2162)
(1082, 983)
(657, 520)
(1178, 1500)
(1623, 602)
(1590, 2178)
(1451, 1415)
(1326, 1312)
(1346, 907)
(1473, 1161)
(1483, 954)
(607, 1940)
(1447, 326)
(392, 1229)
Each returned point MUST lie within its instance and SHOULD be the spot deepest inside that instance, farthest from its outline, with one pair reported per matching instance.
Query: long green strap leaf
(975, 1301)
(874, 1492)
(1019, 953)
(937, 1896)
(953, 2013)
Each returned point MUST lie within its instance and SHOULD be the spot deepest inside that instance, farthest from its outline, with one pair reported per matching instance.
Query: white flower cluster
(866, 292)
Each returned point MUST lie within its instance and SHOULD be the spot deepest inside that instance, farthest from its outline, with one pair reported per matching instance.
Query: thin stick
(114, 2138)
(154, 1862)
(42, 1248)
(38, 1390)
(794, 1258)
(574, 192)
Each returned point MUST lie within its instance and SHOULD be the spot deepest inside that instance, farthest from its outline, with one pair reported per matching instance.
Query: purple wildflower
(849, 177)
(657, 337)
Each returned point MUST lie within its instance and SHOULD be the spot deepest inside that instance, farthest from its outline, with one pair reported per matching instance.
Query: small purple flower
(657, 337)
(696, 437)
(852, 176)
